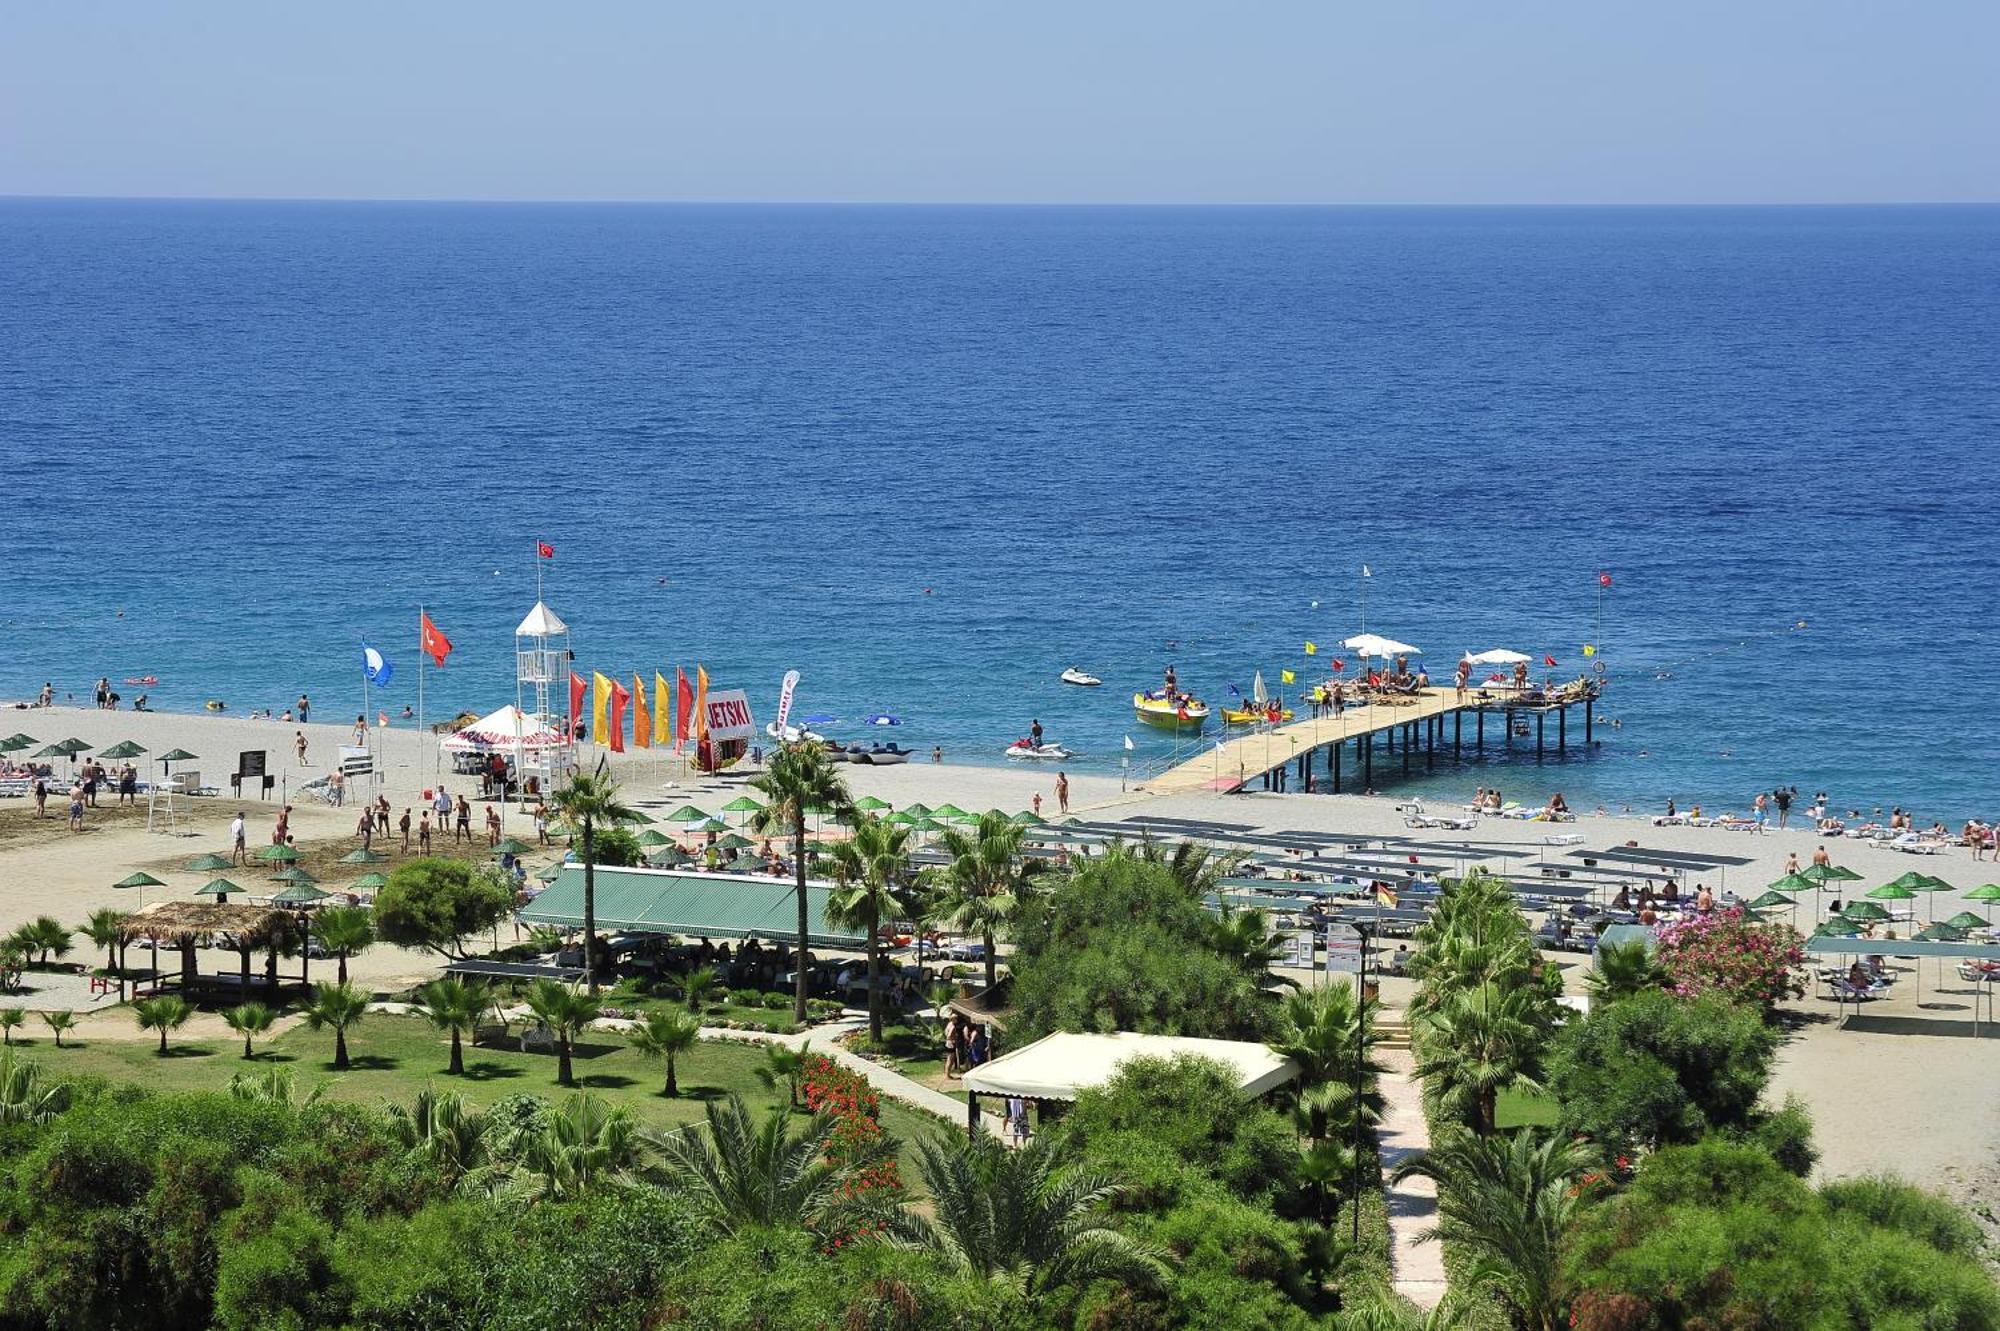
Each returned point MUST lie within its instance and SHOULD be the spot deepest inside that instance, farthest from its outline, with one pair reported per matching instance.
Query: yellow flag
(600, 709)
(642, 728)
(1286, 677)
(701, 702)
(663, 711)
(1312, 649)
(1589, 649)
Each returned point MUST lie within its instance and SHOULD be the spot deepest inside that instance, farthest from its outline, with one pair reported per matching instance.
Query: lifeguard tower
(541, 663)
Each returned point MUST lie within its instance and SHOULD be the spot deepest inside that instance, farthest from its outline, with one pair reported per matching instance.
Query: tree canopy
(438, 904)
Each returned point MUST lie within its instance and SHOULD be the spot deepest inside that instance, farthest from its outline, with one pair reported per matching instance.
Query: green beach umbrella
(278, 855)
(743, 804)
(123, 749)
(654, 837)
(512, 845)
(1965, 919)
(869, 804)
(71, 747)
(635, 819)
(371, 880)
(52, 751)
(929, 825)
(294, 875)
(1026, 819)
(1890, 892)
(207, 864)
(300, 894)
(177, 756)
(550, 873)
(17, 741)
(216, 887)
(687, 813)
(920, 810)
(1984, 892)
(712, 825)
(949, 811)
(734, 842)
(363, 857)
(1835, 927)
(1828, 873)
(1909, 882)
(1864, 910)
(1772, 898)
(1944, 931)
(668, 857)
(147, 880)
(1795, 883)
(904, 818)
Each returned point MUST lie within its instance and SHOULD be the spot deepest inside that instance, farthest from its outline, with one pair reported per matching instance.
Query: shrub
(439, 903)
(1723, 953)
(775, 1002)
(1188, 1108)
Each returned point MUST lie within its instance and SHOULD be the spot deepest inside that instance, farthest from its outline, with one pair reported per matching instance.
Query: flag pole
(420, 692)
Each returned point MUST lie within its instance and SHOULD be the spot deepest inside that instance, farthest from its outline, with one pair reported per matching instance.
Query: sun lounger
(1912, 843)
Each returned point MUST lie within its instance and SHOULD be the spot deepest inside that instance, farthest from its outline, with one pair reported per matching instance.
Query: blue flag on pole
(375, 666)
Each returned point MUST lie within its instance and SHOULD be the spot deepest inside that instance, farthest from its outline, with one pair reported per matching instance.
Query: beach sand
(1902, 1087)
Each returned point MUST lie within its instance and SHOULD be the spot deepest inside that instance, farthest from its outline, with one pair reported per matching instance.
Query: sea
(931, 456)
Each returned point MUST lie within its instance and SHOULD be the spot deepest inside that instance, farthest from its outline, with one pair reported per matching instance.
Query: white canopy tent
(1497, 656)
(1371, 644)
(541, 622)
(504, 729)
(1057, 1067)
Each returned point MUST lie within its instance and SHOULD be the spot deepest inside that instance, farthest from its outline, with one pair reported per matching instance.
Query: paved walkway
(1418, 1268)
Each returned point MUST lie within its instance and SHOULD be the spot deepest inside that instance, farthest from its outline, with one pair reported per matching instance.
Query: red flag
(620, 695)
(1339, 665)
(1548, 660)
(545, 550)
(431, 642)
(577, 688)
(1374, 678)
(683, 708)
(1604, 579)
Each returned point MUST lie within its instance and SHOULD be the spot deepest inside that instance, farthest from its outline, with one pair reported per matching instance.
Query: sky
(1278, 101)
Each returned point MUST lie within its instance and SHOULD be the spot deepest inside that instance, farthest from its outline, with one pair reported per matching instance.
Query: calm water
(932, 456)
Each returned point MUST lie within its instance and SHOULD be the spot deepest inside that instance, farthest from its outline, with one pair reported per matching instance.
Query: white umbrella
(1499, 656)
(1369, 644)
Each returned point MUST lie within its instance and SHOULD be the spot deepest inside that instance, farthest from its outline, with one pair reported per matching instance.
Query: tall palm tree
(588, 802)
(584, 1145)
(868, 870)
(757, 1176)
(338, 1007)
(799, 778)
(985, 882)
(23, 1097)
(566, 1012)
(164, 1014)
(1023, 1218)
(667, 1034)
(1477, 1045)
(1317, 1031)
(446, 1133)
(450, 1004)
(1622, 970)
(1508, 1203)
(249, 1020)
(345, 931)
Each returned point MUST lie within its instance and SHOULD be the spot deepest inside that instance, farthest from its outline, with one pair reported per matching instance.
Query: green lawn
(393, 1057)
(1525, 1109)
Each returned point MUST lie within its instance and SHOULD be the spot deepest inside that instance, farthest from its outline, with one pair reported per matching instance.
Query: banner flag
(619, 697)
(600, 709)
(700, 701)
(1287, 677)
(430, 641)
(1312, 649)
(683, 709)
(785, 699)
(576, 692)
(375, 666)
(663, 711)
(642, 724)
(1590, 649)
(543, 550)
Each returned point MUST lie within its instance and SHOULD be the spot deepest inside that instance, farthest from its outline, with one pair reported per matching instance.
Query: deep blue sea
(931, 456)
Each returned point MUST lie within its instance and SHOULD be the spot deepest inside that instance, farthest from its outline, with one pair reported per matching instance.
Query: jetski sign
(729, 715)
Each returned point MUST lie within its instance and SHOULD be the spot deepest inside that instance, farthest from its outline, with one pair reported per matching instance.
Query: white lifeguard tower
(541, 663)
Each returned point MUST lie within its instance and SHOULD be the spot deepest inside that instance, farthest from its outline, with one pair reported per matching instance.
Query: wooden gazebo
(189, 925)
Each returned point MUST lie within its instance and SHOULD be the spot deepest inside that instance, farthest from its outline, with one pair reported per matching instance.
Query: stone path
(1417, 1267)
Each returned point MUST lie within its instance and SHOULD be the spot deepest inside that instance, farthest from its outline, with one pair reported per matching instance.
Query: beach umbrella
(1965, 919)
(929, 825)
(948, 812)
(17, 741)
(294, 874)
(1944, 931)
(139, 880)
(687, 813)
(363, 856)
(122, 750)
(52, 751)
(1928, 883)
(1891, 892)
(217, 887)
(867, 804)
(1794, 883)
(177, 756)
(300, 894)
(370, 880)
(1864, 910)
(655, 837)
(920, 809)
(1026, 819)
(512, 845)
(745, 804)
(71, 747)
(712, 825)
(1908, 882)
(1835, 927)
(207, 864)
(903, 818)
(1772, 898)
(633, 818)
(1988, 893)
(735, 841)
(668, 857)
(1829, 873)
(278, 855)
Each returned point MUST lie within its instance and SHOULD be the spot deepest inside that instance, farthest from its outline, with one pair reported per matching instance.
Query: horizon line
(10, 197)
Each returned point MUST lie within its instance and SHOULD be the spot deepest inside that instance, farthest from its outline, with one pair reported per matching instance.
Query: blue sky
(1336, 101)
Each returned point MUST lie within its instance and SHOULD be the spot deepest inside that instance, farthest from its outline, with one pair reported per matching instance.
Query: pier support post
(1457, 735)
(1431, 743)
(1481, 714)
(1336, 767)
(1368, 761)
(1408, 734)
(1541, 719)
(1586, 722)
(1562, 730)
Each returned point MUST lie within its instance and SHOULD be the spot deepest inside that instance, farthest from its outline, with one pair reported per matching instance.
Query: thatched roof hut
(177, 922)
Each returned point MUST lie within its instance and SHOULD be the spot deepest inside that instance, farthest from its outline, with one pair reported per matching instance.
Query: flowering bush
(857, 1141)
(1723, 953)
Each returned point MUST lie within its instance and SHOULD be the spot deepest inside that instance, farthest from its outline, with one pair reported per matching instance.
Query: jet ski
(1022, 748)
(1078, 677)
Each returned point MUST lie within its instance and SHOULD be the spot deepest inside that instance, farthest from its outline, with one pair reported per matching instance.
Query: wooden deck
(1249, 755)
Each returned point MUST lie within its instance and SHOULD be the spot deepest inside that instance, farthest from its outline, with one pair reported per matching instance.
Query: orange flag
(642, 725)
(619, 697)
(701, 702)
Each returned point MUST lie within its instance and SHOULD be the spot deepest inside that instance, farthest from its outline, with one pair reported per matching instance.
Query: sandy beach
(1903, 1087)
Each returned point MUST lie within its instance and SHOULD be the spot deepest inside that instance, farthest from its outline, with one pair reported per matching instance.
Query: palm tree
(697, 986)
(345, 931)
(783, 1064)
(759, 1176)
(799, 778)
(868, 870)
(1623, 969)
(338, 1007)
(1508, 1204)
(444, 1132)
(164, 1014)
(275, 1085)
(249, 1020)
(986, 881)
(23, 1098)
(1317, 1031)
(450, 1004)
(582, 1146)
(60, 1022)
(1246, 939)
(10, 1021)
(1023, 1218)
(566, 1012)
(588, 802)
(104, 928)
(1326, 1172)
(45, 935)
(667, 1034)
(1477, 1045)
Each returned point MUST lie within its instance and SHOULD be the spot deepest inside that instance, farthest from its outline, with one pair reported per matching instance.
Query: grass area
(1525, 1109)
(394, 1057)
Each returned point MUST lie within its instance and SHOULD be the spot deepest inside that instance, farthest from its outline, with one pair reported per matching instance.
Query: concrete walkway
(1417, 1267)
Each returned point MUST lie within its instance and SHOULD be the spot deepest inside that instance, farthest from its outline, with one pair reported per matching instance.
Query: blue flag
(375, 666)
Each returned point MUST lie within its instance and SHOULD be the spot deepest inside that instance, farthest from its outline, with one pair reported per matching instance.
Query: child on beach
(41, 798)
(76, 811)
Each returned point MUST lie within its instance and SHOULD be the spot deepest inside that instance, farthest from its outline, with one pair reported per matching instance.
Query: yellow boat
(1154, 710)
(1250, 716)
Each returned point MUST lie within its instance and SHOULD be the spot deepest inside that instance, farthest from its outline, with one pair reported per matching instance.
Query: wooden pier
(1332, 753)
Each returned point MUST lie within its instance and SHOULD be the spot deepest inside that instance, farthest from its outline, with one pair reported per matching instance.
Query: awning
(696, 905)
(1057, 1067)
(503, 729)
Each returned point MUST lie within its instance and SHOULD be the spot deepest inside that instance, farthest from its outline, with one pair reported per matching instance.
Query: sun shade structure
(1890, 892)
(1965, 919)
(208, 864)
(1497, 656)
(177, 756)
(370, 880)
(147, 880)
(294, 875)
(695, 905)
(1058, 1066)
(1772, 898)
(278, 855)
(300, 894)
(1865, 910)
(1829, 873)
(1371, 644)
(218, 887)
(504, 729)
(744, 804)
(123, 749)
(687, 813)
(1794, 883)
(512, 846)
(177, 921)
(867, 804)
(363, 857)
(654, 837)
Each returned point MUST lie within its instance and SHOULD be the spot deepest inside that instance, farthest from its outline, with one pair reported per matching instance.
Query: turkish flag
(431, 642)
(577, 688)
(620, 695)
(1339, 665)
(545, 550)
(1604, 579)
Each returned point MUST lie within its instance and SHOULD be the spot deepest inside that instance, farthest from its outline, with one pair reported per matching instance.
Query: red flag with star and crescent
(544, 550)
(430, 641)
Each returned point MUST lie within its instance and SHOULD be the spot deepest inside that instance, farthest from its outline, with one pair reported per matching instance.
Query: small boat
(1185, 712)
(216, 705)
(879, 755)
(1080, 678)
(792, 734)
(1250, 716)
(1022, 748)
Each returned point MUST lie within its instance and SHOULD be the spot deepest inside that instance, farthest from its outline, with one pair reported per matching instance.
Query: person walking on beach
(41, 797)
(1062, 791)
(1783, 799)
(403, 825)
(1762, 807)
(128, 786)
(462, 830)
(239, 834)
(337, 788)
(365, 829)
(382, 814)
(492, 826)
(542, 824)
(361, 730)
(304, 708)
(283, 831)
(424, 834)
(1037, 803)
(299, 745)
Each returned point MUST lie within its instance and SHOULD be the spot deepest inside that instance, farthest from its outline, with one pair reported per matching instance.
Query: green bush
(1893, 1204)
(774, 1002)
(1188, 1108)
(614, 848)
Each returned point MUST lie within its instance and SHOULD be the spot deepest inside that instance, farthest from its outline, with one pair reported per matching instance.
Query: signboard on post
(1343, 949)
(1299, 948)
(729, 715)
